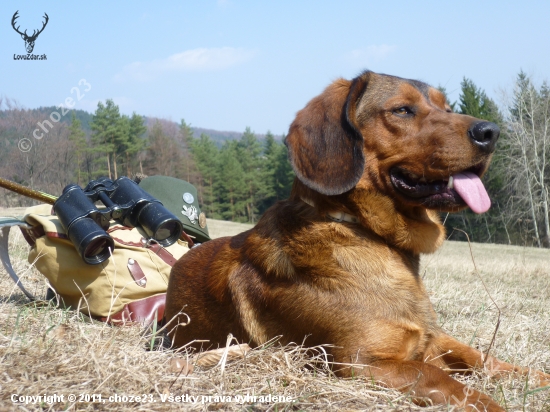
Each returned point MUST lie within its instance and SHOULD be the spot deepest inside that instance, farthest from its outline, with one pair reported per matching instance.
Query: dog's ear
(324, 143)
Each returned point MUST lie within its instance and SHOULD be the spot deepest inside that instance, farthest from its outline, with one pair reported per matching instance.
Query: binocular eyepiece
(126, 202)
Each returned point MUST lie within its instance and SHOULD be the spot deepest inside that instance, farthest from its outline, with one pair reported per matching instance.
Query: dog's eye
(403, 111)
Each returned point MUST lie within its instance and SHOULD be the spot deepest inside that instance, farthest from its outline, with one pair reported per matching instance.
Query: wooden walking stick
(25, 191)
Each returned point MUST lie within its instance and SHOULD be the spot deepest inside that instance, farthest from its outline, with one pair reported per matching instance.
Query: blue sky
(229, 64)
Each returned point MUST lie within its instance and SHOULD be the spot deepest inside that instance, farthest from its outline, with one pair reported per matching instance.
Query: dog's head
(394, 137)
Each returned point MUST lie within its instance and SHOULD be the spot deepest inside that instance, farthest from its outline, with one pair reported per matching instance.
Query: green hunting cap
(180, 198)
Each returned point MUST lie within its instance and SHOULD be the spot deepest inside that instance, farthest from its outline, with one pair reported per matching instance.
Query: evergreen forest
(239, 176)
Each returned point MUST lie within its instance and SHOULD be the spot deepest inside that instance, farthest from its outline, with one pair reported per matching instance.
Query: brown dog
(338, 262)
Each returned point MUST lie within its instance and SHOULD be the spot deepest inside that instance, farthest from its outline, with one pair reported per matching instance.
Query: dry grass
(48, 350)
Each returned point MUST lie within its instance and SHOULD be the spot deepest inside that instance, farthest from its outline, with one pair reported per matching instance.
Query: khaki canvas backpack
(128, 287)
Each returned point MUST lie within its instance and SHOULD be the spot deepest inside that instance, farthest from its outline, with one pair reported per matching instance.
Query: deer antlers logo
(29, 40)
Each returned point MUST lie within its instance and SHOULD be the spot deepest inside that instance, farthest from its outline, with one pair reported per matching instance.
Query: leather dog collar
(334, 215)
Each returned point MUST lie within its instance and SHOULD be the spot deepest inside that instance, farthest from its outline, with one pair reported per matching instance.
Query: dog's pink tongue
(468, 185)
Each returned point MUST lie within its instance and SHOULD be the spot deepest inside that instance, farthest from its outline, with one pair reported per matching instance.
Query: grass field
(48, 350)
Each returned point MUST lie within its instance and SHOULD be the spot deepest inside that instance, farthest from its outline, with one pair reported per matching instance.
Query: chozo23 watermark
(25, 144)
(29, 39)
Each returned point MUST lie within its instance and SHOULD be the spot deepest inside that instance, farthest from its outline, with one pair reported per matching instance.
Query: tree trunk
(504, 224)
(488, 231)
(114, 166)
(545, 207)
(211, 198)
(78, 165)
(248, 211)
(109, 165)
(232, 208)
(530, 192)
(128, 172)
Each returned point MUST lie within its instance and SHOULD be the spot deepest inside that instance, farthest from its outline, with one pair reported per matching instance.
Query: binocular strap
(6, 225)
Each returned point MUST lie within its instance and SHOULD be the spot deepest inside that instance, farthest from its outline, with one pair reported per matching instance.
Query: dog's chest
(384, 281)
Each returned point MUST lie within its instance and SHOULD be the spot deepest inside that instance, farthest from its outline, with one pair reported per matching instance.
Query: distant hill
(86, 118)
(45, 112)
(217, 136)
(220, 137)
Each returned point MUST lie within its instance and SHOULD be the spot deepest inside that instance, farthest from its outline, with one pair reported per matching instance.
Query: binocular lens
(91, 241)
(159, 223)
(167, 230)
(97, 249)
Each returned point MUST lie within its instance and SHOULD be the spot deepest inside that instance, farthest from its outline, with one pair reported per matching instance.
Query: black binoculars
(125, 202)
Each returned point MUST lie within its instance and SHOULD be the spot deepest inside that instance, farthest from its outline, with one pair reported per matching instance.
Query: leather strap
(118, 227)
(137, 273)
(143, 311)
(57, 235)
(32, 233)
(134, 244)
(187, 238)
(155, 247)
(162, 253)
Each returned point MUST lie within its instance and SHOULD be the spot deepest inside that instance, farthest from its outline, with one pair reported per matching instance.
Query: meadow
(47, 350)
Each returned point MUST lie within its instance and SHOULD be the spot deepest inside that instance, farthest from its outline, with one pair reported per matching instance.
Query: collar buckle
(339, 217)
(336, 216)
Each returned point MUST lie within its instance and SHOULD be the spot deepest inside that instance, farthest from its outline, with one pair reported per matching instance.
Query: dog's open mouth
(464, 188)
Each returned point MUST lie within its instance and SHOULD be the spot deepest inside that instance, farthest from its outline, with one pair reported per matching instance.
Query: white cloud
(371, 54)
(201, 59)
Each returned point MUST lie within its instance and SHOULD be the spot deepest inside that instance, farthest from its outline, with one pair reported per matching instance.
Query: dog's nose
(484, 135)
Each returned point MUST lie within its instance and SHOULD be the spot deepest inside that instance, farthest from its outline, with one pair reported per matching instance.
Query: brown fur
(355, 286)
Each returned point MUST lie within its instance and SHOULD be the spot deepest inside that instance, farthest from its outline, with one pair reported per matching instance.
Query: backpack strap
(6, 223)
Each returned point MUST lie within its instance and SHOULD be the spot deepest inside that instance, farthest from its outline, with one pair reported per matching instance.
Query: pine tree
(277, 173)
(474, 102)
(248, 155)
(231, 186)
(269, 166)
(101, 144)
(110, 133)
(205, 155)
(284, 175)
(186, 132)
(136, 142)
(185, 137)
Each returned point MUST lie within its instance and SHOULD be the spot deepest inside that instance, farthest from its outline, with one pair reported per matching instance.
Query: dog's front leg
(424, 381)
(458, 357)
